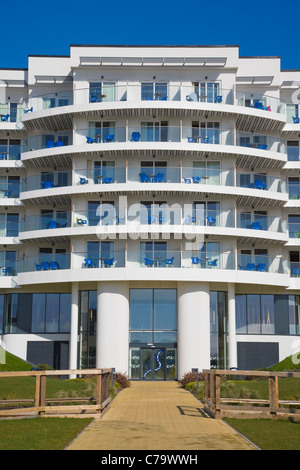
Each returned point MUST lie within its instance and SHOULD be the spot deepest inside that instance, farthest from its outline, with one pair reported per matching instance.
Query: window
(206, 132)
(208, 172)
(102, 91)
(154, 91)
(102, 131)
(100, 252)
(207, 92)
(206, 213)
(153, 316)
(293, 150)
(104, 172)
(155, 252)
(101, 213)
(154, 131)
(294, 225)
(293, 187)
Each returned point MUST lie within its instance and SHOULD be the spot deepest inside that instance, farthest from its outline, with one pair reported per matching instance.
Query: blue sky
(259, 27)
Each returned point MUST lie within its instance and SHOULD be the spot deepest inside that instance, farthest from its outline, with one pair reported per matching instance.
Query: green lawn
(40, 433)
(269, 434)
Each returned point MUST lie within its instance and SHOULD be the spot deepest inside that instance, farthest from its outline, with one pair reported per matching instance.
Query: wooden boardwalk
(158, 416)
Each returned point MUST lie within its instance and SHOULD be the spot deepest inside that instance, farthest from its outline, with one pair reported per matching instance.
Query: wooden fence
(80, 407)
(220, 407)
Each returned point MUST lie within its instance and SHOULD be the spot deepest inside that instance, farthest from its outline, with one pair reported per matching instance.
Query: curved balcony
(107, 221)
(251, 110)
(249, 149)
(248, 188)
(168, 266)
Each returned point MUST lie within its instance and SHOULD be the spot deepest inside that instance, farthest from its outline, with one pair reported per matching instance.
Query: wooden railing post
(40, 392)
(99, 390)
(273, 394)
(218, 395)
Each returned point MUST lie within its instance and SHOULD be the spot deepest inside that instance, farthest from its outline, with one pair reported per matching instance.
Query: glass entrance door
(153, 364)
(156, 363)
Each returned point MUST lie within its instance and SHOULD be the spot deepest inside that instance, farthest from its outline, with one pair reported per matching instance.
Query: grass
(269, 434)
(40, 433)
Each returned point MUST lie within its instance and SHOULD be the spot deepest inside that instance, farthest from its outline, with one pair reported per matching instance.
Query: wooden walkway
(158, 416)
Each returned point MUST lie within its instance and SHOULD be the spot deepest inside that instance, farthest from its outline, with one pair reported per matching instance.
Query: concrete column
(73, 345)
(232, 347)
(193, 327)
(112, 342)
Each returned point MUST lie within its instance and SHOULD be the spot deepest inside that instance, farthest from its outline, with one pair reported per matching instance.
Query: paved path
(158, 416)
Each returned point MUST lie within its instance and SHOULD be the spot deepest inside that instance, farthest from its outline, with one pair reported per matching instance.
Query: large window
(36, 313)
(218, 329)
(153, 316)
(87, 329)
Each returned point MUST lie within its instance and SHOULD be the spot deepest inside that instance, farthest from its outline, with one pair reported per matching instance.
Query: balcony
(262, 150)
(168, 265)
(11, 112)
(248, 187)
(111, 92)
(192, 219)
(252, 111)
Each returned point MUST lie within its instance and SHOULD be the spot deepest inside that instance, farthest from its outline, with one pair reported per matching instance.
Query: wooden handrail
(103, 379)
(214, 404)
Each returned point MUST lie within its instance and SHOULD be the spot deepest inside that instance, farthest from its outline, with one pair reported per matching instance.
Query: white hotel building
(150, 210)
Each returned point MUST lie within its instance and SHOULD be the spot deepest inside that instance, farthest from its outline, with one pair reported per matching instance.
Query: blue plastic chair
(191, 139)
(89, 140)
(262, 146)
(258, 105)
(159, 178)
(49, 144)
(296, 272)
(30, 110)
(296, 120)
(5, 118)
(251, 267)
(53, 265)
(187, 180)
(144, 178)
(89, 263)
(261, 267)
(135, 137)
(45, 265)
(83, 181)
(109, 262)
(212, 263)
(148, 262)
(256, 226)
(48, 184)
(110, 138)
(196, 179)
(38, 267)
(195, 260)
(205, 140)
(59, 143)
(219, 99)
(108, 180)
(170, 261)
(52, 224)
(211, 220)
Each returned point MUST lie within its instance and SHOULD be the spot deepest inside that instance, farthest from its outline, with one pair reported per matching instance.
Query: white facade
(187, 157)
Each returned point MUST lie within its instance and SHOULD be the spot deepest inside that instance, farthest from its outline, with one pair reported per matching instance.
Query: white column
(232, 347)
(73, 345)
(112, 342)
(193, 327)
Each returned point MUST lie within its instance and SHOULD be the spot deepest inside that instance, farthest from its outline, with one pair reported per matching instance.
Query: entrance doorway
(156, 363)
